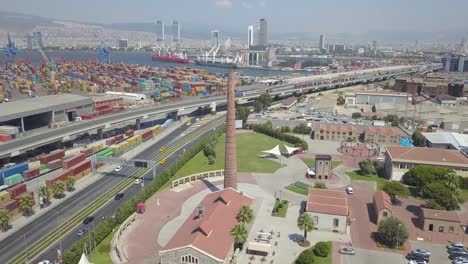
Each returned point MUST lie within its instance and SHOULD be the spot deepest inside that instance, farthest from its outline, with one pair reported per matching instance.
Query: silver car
(347, 251)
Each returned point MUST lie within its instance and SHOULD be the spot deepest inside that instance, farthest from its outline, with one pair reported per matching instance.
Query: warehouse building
(376, 97)
(446, 140)
(382, 135)
(333, 132)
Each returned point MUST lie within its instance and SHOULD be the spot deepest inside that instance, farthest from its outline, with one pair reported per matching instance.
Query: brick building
(441, 221)
(382, 135)
(382, 206)
(323, 166)
(334, 132)
(418, 86)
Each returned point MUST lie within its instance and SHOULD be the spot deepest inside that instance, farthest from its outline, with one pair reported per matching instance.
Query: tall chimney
(230, 170)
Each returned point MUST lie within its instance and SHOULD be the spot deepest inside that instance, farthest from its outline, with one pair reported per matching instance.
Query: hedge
(268, 130)
(73, 255)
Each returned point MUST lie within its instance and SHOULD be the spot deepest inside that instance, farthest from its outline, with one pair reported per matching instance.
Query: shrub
(320, 185)
(267, 129)
(306, 257)
(321, 249)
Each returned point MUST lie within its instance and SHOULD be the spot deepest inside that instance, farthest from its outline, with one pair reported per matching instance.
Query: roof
(37, 105)
(457, 140)
(428, 156)
(449, 216)
(323, 157)
(390, 131)
(382, 201)
(332, 202)
(337, 128)
(392, 93)
(210, 233)
(289, 101)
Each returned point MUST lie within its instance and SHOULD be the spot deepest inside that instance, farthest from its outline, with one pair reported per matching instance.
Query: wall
(445, 224)
(175, 256)
(382, 139)
(374, 99)
(323, 169)
(325, 222)
(335, 136)
(395, 170)
(380, 215)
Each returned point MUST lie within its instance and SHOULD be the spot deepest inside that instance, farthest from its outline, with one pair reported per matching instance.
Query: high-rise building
(250, 36)
(214, 38)
(263, 33)
(37, 36)
(29, 41)
(159, 31)
(123, 44)
(230, 169)
(374, 45)
(322, 43)
(175, 25)
(453, 63)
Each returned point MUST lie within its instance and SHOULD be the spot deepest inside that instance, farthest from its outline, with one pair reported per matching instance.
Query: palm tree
(44, 192)
(239, 234)
(245, 214)
(26, 204)
(305, 223)
(70, 184)
(59, 189)
(4, 220)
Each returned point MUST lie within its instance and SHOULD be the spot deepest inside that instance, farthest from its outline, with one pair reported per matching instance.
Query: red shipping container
(129, 133)
(87, 152)
(29, 174)
(17, 190)
(119, 138)
(60, 177)
(86, 117)
(55, 164)
(57, 154)
(80, 167)
(5, 138)
(68, 163)
(9, 205)
(147, 135)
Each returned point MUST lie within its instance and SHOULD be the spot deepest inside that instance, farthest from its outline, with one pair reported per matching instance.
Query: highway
(32, 232)
(17, 146)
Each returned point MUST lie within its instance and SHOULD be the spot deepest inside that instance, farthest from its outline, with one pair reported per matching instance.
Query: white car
(310, 172)
(119, 168)
(138, 181)
(45, 262)
(349, 190)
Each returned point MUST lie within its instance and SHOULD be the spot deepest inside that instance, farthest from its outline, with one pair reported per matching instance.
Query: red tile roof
(428, 156)
(382, 201)
(383, 130)
(289, 101)
(210, 233)
(449, 216)
(332, 202)
(337, 128)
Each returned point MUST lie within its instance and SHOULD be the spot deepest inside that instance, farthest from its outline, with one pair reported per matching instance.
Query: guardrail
(116, 252)
(197, 176)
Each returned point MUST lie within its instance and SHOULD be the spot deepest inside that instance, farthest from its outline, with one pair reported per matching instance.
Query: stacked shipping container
(54, 155)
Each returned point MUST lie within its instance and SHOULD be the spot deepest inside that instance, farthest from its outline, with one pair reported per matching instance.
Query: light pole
(398, 236)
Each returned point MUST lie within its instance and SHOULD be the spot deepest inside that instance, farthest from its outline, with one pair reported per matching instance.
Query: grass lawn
(101, 253)
(373, 177)
(311, 162)
(249, 149)
(464, 195)
(299, 190)
(281, 212)
(327, 259)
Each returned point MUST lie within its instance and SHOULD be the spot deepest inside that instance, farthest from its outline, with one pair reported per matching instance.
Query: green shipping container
(13, 179)
(44, 166)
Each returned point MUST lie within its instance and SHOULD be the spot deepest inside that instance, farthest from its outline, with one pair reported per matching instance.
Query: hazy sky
(333, 16)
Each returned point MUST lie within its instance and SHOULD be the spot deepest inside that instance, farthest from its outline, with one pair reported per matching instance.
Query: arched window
(189, 259)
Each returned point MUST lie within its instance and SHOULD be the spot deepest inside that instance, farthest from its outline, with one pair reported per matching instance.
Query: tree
(302, 129)
(210, 159)
(301, 99)
(356, 115)
(263, 102)
(239, 234)
(321, 249)
(242, 113)
(392, 119)
(44, 192)
(392, 232)
(340, 100)
(374, 109)
(208, 150)
(419, 176)
(394, 188)
(70, 183)
(59, 189)
(419, 140)
(320, 185)
(442, 125)
(258, 107)
(387, 86)
(245, 214)
(305, 223)
(285, 129)
(4, 220)
(366, 167)
(437, 193)
(26, 204)
(306, 257)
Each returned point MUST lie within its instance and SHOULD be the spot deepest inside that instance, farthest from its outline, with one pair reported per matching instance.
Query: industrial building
(375, 97)
(335, 132)
(383, 135)
(446, 140)
(44, 111)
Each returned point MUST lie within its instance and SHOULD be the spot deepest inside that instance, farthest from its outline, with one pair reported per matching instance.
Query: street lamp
(398, 235)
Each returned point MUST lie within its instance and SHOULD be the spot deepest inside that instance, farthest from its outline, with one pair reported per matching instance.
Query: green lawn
(327, 259)
(101, 253)
(281, 212)
(373, 177)
(311, 162)
(464, 195)
(299, 190)
(249, 149)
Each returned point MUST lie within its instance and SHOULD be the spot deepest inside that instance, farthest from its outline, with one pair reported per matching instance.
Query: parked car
(347, 251)
(119, 196)
(453, 250)
(460, 260)
(310, 172)
(138, 181)
(349, 190)
(419, 261)
(422, 252)
(118, 168)
(413, 256)
(81, 232)
(45, 262)
(88, 220)
(460, 254)
(455, 245)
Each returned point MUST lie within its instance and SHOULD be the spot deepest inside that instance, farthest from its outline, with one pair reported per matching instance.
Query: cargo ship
(174, 58)
(218, 64)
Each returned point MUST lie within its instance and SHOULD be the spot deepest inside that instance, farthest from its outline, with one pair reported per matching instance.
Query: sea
(139, 58)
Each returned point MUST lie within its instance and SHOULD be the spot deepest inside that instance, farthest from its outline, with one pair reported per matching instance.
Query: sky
(328, 16)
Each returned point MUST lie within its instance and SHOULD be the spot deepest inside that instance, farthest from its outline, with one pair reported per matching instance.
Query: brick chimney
(230, 170)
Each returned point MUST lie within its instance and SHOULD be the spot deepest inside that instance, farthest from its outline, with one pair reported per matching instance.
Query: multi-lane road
(25, 237)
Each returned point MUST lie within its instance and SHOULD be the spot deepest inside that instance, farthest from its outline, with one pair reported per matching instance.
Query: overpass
(21, 145)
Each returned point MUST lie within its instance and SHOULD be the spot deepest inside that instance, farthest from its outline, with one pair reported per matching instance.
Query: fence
(197, 176)
(117, 253)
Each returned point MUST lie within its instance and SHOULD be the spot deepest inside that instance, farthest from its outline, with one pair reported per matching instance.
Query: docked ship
(174, 58)
(223, 62)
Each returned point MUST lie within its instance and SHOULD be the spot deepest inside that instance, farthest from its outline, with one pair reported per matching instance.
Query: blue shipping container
(16, 169)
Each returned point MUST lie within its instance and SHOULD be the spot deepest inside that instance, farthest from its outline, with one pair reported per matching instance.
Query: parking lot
(364, 256)
(438, 251)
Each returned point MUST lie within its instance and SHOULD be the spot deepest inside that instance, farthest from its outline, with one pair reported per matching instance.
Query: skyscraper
(250, 36)
(37, 36)
(322, 43)
(214, 38)
(123, 44)
(230, 170)
(175, 25)
(29, 41)
(263, 33)
(159, 31)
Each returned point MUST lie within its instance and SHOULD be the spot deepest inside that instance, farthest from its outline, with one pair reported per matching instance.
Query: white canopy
(291, 150)
(84, 259)
(274, 151)
(260, 247)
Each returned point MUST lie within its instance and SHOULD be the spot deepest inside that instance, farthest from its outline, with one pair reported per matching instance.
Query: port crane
(104, 54)
(213, 52)
(10, 50)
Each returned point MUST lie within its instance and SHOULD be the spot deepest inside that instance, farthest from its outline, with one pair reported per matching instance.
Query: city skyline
(302, 16)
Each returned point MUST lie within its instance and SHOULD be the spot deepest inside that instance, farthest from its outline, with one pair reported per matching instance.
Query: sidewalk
(21, 221)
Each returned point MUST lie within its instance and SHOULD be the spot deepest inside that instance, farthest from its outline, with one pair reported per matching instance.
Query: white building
(250, 37)
(329, 209)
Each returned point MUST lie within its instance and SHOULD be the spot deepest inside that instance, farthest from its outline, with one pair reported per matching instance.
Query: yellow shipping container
(5, 196)
(13, 213)
(138, 138)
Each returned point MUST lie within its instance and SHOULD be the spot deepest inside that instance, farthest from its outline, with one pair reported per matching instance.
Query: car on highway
(118, 168)
(423, 252)
(347, 251)
(162, 149)
(162, 162)
(138, 181)
(349, 190)
(44, 262)
(88, 220)
(119, 196)
(81, 232)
